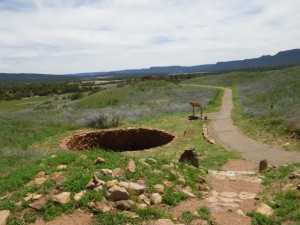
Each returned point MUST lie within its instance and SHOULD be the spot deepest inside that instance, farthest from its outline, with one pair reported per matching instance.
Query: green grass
(15, 105)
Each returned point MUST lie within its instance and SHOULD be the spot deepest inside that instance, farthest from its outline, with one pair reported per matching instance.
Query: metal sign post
(198, 105)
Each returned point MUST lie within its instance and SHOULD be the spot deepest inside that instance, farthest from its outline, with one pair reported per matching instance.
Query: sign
(195, 104)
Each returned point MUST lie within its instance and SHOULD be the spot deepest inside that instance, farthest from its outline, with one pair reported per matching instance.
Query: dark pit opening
(118, 140)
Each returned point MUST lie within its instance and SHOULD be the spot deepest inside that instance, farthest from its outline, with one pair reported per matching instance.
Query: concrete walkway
(230, 137)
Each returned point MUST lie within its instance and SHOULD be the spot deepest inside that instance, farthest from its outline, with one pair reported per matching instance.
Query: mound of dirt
(132, 139)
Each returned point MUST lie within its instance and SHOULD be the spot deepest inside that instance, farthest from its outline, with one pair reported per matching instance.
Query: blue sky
(70, 36)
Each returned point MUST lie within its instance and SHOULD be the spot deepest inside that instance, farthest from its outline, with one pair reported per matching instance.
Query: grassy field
(38, 132)
(266, 104)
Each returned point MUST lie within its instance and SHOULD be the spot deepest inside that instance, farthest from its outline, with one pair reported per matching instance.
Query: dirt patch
(132, 139)
(78, 218)
(240, 165)
(230, 218)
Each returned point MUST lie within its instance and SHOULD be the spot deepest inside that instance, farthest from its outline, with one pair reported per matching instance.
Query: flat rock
(264, 209)
(212, 199)
(111, 183)
(131, 215)
(61, 167)
(58, 178)
(163, 222)
(79, 195)
(229, 200)
(246, 195)
(62, 198)
(106, 171)
(32, 196)
(287, 187)
(116, 193)
(39, 204)
(188, 193)
(39, 180)
(124, 204)
(223, 207)
(156, 198)
(131, 166)
(3, 216)
(41, 174)
(228, 194)
(99, 206)
(137, 188)
(99, 160)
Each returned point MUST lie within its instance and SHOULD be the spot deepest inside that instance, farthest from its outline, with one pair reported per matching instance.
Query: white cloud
(65, 36)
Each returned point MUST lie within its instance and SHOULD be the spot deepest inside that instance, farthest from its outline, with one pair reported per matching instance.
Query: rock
(124, 204)
(99, 206)
(190, 156)
(223, 207)
(111, 183)
(212, 199)
(263, 165)
(118, 173)
(246, 195)
(131, 166)
(99, 160)
(62, 198)
(287, 187)
(82, 156)
(41, 174)
(116, 193)
(39, 204)
(144, 199)
(58, 178)
(106, 171)
(3, 216)
(168, 183)
(164, 222)
(228, 194)
(151, 161)
(39, 180)
(214, 193)
(61, 167)
(295, 175)
(137, 188)
(265, 209)
(241, 213)
(32, 196)
(159, 188)
(181, 180)
(188, 193)
(156, 198)
(94, 183)
(53, 156)
(229, 200)
(79, 195)
(131, 215)
(142, 206)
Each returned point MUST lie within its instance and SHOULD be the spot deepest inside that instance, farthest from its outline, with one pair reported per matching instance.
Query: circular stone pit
(132, 139)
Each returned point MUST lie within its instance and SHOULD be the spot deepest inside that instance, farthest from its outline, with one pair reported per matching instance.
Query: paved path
(230, 137)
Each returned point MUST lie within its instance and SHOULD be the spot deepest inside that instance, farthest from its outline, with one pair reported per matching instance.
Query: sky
(73, 36)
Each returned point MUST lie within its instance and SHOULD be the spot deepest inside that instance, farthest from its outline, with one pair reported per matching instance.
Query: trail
(228, 135)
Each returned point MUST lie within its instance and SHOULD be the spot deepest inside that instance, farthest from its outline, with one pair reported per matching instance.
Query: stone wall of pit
(118, 140)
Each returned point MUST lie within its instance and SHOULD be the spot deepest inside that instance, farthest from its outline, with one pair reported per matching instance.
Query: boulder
(62, 198)
(137, 188)
(94, 183)
(99, 160)
(99, 206)
(106, 171)
(144, 199)
(116, 193)
(111, 183)
(156, 198)
(190, 156)
(131, 166)
(264, 209)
